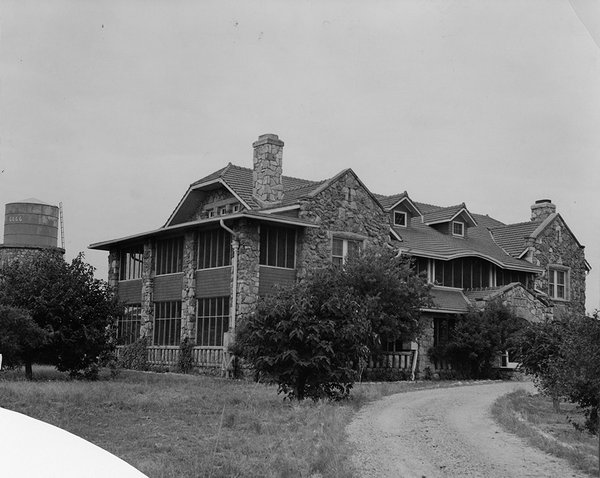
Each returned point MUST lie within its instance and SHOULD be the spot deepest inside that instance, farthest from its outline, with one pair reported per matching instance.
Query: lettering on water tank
(15, 218)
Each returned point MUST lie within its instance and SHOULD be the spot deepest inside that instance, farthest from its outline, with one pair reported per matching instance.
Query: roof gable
(448, 214)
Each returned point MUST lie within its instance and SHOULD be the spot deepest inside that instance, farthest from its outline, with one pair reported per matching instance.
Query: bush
(185, 363)
(386, 375)
(135, 356)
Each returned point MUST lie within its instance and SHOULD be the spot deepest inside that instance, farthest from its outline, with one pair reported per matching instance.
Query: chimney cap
(544, 201)
(269, 138)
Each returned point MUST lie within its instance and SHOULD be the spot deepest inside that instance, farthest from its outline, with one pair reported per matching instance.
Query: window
(341, 248)
(131, 261)
(557, 283)
(167, 323)
(458, 228)
(212, 321)
(400, 218)
(235, 208)
(442, 330)
(128, 325)
(222, 210)
(277, 247)
(211, 213)
(214, 249)
(169, 256)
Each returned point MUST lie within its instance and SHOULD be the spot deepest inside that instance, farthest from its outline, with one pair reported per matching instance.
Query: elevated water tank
(31, 223)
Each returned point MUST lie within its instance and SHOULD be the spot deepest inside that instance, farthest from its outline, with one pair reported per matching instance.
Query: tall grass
(170, 425)
(533, 418)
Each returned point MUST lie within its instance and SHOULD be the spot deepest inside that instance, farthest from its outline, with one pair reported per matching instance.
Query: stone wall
(343, 207)
(557, 246)
(10, 254)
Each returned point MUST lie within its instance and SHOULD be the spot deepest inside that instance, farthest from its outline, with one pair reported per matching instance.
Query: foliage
(310, 337)
(20, 335)
(135, 355)
(385, 375)
(66, 300)
(185, 363)
(478, 338)
(563, 355)
(396, 293)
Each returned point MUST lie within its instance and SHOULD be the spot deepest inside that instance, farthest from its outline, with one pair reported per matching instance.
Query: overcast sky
(115, 107)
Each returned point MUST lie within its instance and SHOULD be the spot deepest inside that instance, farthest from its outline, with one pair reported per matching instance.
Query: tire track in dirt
(446, 433)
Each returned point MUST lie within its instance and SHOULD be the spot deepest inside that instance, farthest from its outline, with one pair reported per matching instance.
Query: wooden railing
(393, 360)
(168, 355)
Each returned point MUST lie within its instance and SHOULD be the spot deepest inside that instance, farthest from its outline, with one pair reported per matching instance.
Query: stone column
(188, 293)
(147, 313)
(248, 269)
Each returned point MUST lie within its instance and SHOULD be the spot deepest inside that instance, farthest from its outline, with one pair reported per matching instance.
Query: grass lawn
(533, 418)
(170, 425)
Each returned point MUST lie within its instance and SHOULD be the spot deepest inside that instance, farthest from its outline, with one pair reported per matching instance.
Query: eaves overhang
(200, 186)
(167, 230)
(458, 255)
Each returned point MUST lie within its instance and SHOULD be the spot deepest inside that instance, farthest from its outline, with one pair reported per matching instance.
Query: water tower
(30, 226)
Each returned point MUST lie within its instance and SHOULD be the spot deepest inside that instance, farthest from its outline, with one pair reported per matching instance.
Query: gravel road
(445, 433)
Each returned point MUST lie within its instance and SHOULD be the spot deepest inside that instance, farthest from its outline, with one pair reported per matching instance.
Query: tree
(311, 337)
(20, 336)
(75, 309)
(478, 338)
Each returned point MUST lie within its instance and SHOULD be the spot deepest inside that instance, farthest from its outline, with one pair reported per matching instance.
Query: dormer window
(458, 228)
(400, 218)
(211, 213)
(222, 210)
(235, 208)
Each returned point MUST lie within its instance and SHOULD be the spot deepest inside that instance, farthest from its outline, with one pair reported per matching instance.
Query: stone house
(238, 231)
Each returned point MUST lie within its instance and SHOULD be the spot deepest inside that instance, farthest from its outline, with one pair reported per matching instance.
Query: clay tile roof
(443, 214)
(448, 299)
(388, 201)
(512, 237)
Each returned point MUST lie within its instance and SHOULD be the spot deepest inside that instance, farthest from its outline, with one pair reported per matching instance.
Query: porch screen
(167, 323)
(213, 321)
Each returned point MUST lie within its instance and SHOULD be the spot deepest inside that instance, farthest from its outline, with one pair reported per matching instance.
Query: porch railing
(393, 360)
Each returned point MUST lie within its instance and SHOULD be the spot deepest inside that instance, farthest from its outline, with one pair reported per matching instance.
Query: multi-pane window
(128, 325)
(442, 330)
(458, 228)
(557, 283)
(400, 218)
(169, 255)
(277, 246)
(214, 248)
(131, 261)
(342, 248)
(213, 321)
(167, 323)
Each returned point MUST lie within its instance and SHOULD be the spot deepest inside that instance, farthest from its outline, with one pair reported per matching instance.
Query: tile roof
(449, 299)
(512, 237)
(421, 239)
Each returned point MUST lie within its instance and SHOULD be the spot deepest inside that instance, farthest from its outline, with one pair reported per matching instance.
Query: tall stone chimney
(268, 154)
(542, 209)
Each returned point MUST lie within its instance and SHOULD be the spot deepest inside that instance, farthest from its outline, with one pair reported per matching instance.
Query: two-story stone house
(238, 231)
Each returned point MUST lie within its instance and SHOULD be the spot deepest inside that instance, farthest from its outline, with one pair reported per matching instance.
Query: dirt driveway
(445, 433)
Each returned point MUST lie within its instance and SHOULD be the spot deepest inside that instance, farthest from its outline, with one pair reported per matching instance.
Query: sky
(114, 107)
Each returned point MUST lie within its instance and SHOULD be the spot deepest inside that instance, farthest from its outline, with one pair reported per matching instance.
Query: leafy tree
(478, 338)
(67, 301)
(20, 336)
(310, 337)
(563, 355)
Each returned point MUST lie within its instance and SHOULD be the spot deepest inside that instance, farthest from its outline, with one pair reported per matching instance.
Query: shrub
(185, 363)
(135, 356)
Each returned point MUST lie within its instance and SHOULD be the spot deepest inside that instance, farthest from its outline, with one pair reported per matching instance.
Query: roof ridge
(515, 224)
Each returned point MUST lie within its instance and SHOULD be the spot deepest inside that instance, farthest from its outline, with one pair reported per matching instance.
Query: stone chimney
(268, 154)
(542, 209)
